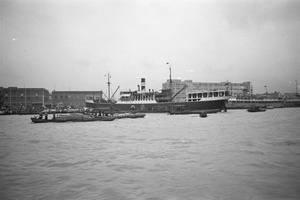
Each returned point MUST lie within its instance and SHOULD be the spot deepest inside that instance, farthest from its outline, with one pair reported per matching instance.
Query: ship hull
(162, 106)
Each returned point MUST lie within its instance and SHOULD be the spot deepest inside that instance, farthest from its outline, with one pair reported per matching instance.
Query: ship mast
(43, 98)
(108, 84)
(9, 97)
(170, 80)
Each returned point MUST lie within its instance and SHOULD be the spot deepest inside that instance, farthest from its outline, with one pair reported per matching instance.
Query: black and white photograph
(149, 99)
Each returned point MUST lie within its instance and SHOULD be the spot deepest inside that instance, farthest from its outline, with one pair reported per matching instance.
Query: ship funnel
(143, 84)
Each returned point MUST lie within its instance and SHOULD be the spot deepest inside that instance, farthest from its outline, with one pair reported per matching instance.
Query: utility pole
(251, 90)
(266, 89)
(108, 84)
(170, 80)
(43, 98)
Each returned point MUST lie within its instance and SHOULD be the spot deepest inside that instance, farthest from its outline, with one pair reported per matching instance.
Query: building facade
(23, 98)
(75, 99)
(235, 89)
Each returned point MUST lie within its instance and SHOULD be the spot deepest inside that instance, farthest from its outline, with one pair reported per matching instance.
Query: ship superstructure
(162, 101)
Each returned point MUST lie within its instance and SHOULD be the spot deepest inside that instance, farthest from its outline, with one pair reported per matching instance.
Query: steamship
(161, 101)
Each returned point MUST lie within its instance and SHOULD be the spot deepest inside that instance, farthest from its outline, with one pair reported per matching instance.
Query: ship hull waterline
(160, 107)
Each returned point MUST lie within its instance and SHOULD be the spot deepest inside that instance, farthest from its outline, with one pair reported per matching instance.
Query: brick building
(23, 98)
(75, 99)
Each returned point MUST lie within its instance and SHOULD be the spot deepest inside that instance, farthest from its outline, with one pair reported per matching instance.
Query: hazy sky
(64, 44)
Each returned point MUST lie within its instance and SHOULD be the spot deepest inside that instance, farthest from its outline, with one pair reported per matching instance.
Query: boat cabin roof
(125, 95)
(205, 91)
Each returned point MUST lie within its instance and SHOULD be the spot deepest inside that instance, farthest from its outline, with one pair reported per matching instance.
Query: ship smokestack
(143, 84)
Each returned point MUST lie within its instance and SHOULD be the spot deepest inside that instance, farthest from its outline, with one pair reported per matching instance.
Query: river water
(233, 155)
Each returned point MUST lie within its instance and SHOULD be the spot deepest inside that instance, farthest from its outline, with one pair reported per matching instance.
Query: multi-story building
(75, 99)
(235, 89)
(23, 98)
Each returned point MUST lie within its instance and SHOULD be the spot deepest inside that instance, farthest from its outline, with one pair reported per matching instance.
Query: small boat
(109, 112)
(37, 120)
(256, 109)
(181, 110)
(270, 107)
(3, 112)
(203, 114)
(72, 117)
(105, 118)
(129, 115)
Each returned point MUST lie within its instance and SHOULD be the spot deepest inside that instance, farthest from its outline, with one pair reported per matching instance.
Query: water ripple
(233, 155)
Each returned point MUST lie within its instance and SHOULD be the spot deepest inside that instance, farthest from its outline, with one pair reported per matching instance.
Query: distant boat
(129, 115)
(37, 120)
(107, 111)
(203, 114)
(181, 110)
(234, 103)
(2, 112)
(256, 109)
(270, 107)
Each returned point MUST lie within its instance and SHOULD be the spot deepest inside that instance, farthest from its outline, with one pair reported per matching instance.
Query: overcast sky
(64, 44)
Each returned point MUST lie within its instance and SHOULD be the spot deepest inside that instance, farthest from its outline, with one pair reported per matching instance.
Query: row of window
(206, 94)
(66, 96)
(23, 94)
(7, 93)
(23, 98)
(138, 98)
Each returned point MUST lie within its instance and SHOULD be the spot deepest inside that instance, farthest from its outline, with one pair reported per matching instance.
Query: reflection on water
(233, 155)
